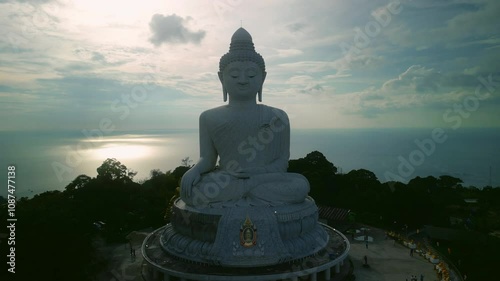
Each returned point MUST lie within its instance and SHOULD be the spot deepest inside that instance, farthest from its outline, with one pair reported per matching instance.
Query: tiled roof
(333, 214)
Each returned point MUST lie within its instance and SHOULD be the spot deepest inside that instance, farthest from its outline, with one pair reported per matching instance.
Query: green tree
(314, 163)
(155, 173)
(180, 171)
(319, 172)
(186, 162)
(449, 181)
(362, 178)
(111, 169)
(79, 182)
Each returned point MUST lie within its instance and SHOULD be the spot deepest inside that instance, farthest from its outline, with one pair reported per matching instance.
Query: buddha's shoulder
(223, 113)
(274, 112)
(271, 109)
(214, 111)
(214, 114)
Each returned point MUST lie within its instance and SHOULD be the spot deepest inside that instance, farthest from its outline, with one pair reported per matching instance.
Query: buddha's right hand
(189, 179)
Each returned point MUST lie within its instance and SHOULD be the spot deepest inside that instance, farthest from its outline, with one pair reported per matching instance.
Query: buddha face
(242, 80)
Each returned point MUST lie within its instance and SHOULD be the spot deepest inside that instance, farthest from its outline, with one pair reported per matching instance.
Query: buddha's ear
(259, 93)
(224, 92)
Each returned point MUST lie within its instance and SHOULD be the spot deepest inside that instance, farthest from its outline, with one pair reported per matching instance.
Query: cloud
(296, 27)
(284, 53)
(96, 56)
(361, 61)
(313, 89)
(307, 66)
(72, 65)
(306, 85)
(420, 79)
(172, 29)
(5, 89)
(77, 102)
(448, 23)
(416, 77)
(417, 88)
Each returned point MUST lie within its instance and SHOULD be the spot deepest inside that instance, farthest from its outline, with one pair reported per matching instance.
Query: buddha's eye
(234, 74)
(251, 73)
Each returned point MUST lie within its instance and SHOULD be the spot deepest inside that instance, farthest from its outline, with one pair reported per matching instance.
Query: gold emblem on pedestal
(248, 234)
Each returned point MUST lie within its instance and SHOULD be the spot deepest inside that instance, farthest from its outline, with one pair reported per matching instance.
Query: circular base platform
(244, 236)
(163, 264)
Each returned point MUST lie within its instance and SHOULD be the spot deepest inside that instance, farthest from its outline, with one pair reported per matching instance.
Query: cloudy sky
(151, 64)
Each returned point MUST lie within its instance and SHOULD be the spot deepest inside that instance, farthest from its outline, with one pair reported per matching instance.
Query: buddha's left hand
(252, 171)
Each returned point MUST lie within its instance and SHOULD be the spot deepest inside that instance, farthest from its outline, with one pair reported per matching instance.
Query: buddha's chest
(240, 124)
(246, 138)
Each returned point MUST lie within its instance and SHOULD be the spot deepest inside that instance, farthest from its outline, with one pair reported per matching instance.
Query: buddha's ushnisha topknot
(241, 49)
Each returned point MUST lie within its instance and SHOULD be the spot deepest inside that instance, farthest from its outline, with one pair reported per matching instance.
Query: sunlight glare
(122, 152)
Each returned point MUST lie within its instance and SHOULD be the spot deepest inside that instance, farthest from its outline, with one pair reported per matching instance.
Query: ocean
(51, 160)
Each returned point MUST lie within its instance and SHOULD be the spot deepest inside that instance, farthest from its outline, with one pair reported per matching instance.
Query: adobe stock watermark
(249, 147)
(363, 37)
(453, 116)
(121, 109)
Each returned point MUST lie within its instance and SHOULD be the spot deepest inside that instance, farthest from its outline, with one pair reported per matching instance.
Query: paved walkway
(388, 261)
(122, 266)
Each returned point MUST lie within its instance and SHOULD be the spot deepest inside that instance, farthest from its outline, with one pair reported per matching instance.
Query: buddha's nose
(243, 80)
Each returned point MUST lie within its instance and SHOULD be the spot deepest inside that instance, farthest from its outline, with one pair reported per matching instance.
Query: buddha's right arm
(206, 163)
(193, 176)
(208, 153)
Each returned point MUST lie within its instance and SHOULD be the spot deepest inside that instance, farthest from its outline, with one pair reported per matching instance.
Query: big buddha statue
(245, 210)
(251, 140)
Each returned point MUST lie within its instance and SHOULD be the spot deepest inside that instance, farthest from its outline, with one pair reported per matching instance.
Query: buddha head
(242, 71)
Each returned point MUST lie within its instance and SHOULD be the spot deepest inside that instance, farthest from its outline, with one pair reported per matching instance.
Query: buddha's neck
(242, 104)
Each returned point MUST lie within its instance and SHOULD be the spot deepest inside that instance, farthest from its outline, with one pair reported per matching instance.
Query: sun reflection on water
(121, 151)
